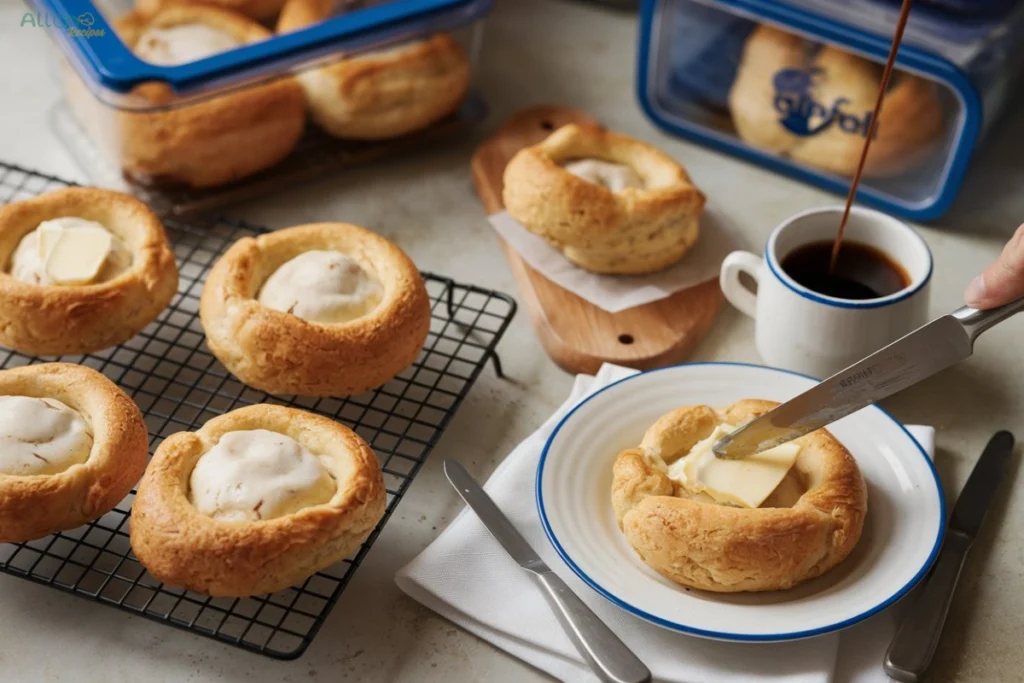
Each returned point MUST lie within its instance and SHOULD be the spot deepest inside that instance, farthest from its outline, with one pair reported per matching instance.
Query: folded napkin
(466, 577)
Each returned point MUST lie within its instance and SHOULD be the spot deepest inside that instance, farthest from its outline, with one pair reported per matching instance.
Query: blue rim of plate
(794, 635)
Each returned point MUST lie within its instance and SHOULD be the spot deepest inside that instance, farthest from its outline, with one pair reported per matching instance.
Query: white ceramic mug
(802, 330)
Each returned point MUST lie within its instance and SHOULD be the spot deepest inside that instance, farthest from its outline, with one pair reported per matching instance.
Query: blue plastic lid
(107, 64)
(683, 83)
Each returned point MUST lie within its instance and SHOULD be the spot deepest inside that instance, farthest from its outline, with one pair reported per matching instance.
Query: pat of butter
(49, 235)
(75, 257)
(745, 483)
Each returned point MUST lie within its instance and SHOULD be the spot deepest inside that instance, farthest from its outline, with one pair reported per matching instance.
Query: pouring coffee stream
(897, 38)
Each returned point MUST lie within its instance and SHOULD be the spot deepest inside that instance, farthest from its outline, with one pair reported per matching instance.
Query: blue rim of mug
(796, 288)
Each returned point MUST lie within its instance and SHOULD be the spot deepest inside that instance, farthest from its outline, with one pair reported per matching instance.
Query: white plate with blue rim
(902, 531)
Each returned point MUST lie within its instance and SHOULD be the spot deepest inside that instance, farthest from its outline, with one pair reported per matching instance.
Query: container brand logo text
(80, 26)
(801, 114)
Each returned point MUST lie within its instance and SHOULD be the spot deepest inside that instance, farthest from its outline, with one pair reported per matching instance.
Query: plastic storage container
(201, 97)
(792, 85)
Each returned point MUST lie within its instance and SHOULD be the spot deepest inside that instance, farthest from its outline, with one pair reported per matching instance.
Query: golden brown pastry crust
(182, 547)
(910, 121)
(730, 549)
(283, 354)
(260, 10)
(46, 320)
(206, 144)
(628, 232)
(37, 505)
(385, 93)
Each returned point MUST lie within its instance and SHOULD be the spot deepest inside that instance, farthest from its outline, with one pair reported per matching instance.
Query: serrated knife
(922, 353)
(912, 649)
(606, 655)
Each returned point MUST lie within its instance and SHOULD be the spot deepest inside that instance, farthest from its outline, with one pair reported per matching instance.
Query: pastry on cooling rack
(382, 93)
(764, 523)
(255, 501)
(610, 203)
(317, 310)
(787, 85)
(260, 10)
(206, 144)
(81, 269)
(72, 445)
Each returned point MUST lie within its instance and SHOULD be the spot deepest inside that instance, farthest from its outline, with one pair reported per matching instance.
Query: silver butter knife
(912, 649)
(608, 656)
(922, 353)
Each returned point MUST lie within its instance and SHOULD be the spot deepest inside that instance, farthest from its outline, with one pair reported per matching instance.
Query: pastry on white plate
(767, 522)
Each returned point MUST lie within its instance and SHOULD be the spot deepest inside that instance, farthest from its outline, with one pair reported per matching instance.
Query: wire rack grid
(178, 384)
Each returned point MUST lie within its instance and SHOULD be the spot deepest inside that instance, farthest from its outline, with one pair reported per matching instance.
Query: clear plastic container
(199, 97)
(792, 85)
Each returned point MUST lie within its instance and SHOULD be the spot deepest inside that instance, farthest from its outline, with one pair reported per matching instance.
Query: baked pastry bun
(780, 69)
(72, 445)
(382, 93)
(807, 525)
(328, 309)
(81, 269)
(260, 10)
(256, 501)
(610, 203)
(212, 142)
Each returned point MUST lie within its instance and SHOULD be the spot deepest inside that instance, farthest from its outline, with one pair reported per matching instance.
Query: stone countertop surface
(535, 51)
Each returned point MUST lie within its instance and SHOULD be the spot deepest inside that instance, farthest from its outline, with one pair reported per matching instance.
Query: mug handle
(729, 279)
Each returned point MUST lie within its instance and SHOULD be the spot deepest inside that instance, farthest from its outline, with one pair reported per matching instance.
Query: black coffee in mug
(861, 271)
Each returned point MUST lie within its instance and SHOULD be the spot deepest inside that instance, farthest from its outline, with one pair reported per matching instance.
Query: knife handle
(608, 656)
(912, 649)
(975, 322)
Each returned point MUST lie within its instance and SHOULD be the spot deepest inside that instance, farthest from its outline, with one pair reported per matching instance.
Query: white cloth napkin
(466, 577)
(615, 293)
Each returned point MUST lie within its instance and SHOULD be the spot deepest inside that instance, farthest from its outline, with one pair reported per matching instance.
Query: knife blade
(933, 347)
(914, 645)
(606, 655)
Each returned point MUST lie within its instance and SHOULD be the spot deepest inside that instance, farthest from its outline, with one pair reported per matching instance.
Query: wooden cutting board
(577, 335)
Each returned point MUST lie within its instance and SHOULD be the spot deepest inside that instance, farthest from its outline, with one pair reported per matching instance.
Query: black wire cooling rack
(171, 374)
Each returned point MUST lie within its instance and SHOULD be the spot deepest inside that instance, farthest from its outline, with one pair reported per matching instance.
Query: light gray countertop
(536, 51)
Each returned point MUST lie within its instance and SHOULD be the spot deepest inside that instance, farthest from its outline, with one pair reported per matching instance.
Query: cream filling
(182, 44)
(744, 483)
(615, 177)
(41, 436)
(258, 474)
(69, 251)
(323, 287)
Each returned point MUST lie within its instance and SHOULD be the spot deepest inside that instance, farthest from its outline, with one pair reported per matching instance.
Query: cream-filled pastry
(41, 436)
(743, 483)
(611, 204)
(767, 522)
(290, 313)
(607, 174)
(72, 446)
(322, 286)
(183, 43)
(256, 500)
(258, 474)
(171, 138)
(69, 251)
